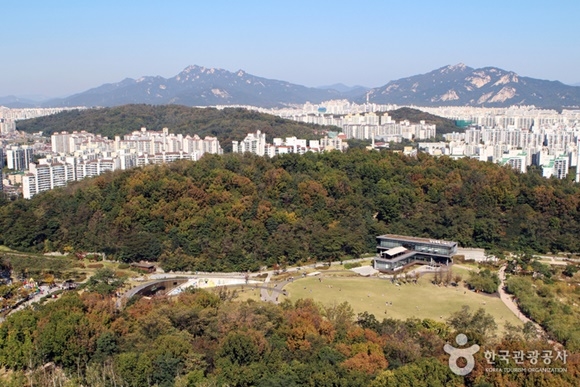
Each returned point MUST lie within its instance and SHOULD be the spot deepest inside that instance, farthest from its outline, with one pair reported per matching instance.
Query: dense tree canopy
(225, 124)
(444, 125)
(238, 212)
(199, 339)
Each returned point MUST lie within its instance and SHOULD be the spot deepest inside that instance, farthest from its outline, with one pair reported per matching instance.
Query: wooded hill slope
(238, 212)
(204, 339)
(225, 124)
(444, 125)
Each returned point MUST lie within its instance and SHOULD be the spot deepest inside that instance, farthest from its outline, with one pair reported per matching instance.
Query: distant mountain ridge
(199, 86)
(457, 85)
(460, 85)
(13, 102)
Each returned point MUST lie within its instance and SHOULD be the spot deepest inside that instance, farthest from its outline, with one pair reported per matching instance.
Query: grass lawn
(422, 300)
(244, 293)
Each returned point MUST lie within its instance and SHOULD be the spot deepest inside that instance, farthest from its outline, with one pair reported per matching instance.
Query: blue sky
(59, 47)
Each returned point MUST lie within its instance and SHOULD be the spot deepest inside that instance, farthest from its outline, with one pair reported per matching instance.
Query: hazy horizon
(61, 48)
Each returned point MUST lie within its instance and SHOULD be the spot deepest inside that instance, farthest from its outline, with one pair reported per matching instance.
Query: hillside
(202, 338)
(225, 124)
(444, 125)
(239, 212)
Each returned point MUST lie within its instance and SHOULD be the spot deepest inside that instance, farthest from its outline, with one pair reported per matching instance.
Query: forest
(226, 124)
(444, 125)
(240, 212)
(208, 339)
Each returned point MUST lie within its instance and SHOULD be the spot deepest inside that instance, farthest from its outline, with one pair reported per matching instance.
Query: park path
(271, 294)
(264, 294)
(510, 303)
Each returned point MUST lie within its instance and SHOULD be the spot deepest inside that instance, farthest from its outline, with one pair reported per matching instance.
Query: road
(44, 291)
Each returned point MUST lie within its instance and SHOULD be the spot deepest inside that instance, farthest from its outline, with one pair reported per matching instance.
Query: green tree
(105, 281)
(484, 281)
(479, 326)
(428, 372)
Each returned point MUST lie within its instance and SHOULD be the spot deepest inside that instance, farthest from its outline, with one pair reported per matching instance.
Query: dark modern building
(394, 252)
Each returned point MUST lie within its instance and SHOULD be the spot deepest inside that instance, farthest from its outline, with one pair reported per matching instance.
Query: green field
(421, 300)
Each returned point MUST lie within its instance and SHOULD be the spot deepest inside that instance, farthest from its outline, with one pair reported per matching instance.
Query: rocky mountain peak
(461, 85)
(457, 68)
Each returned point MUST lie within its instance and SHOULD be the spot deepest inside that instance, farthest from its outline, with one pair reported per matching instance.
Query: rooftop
(395, 251)
(412, 239)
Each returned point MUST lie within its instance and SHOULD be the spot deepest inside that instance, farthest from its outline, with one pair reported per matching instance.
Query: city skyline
(62, 48)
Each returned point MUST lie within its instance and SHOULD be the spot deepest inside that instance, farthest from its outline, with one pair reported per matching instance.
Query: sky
(61, 47)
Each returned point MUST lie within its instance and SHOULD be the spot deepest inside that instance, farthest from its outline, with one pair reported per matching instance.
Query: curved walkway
(510, 303)
(271, 294)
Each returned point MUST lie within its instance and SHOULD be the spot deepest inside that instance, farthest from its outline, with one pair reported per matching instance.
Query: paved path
(271, 294)
(509, 302)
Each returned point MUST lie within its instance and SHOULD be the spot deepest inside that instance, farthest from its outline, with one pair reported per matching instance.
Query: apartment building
(80, 154)
(256, 143)
(19, 157)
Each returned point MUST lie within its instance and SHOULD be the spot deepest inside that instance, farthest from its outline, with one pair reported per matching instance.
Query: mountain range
(199, 86)
(460, 85)
(12, 101)
(457, 85)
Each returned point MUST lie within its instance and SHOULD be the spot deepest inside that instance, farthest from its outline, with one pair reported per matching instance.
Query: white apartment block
(7, 126)
(253, 143)
(44, 176)
(516, 117)
(256, 143)
(515, 159)
(142, 142)
(556, 166)
(80, 154)
(369, 125)
(26, 113)
(19, 157)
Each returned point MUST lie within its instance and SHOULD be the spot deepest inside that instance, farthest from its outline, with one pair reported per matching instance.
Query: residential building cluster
(256, 143)
(383, 128)
(553, 148)
(7, 126)
(1, 169)
(515, 117)
(358, 121)
(80, 154)
(369, 125)
(8, 116)
(515, 136)
(332, 107)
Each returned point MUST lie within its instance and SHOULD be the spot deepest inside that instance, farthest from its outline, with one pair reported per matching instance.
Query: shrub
(570, 270)
(484, 281)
